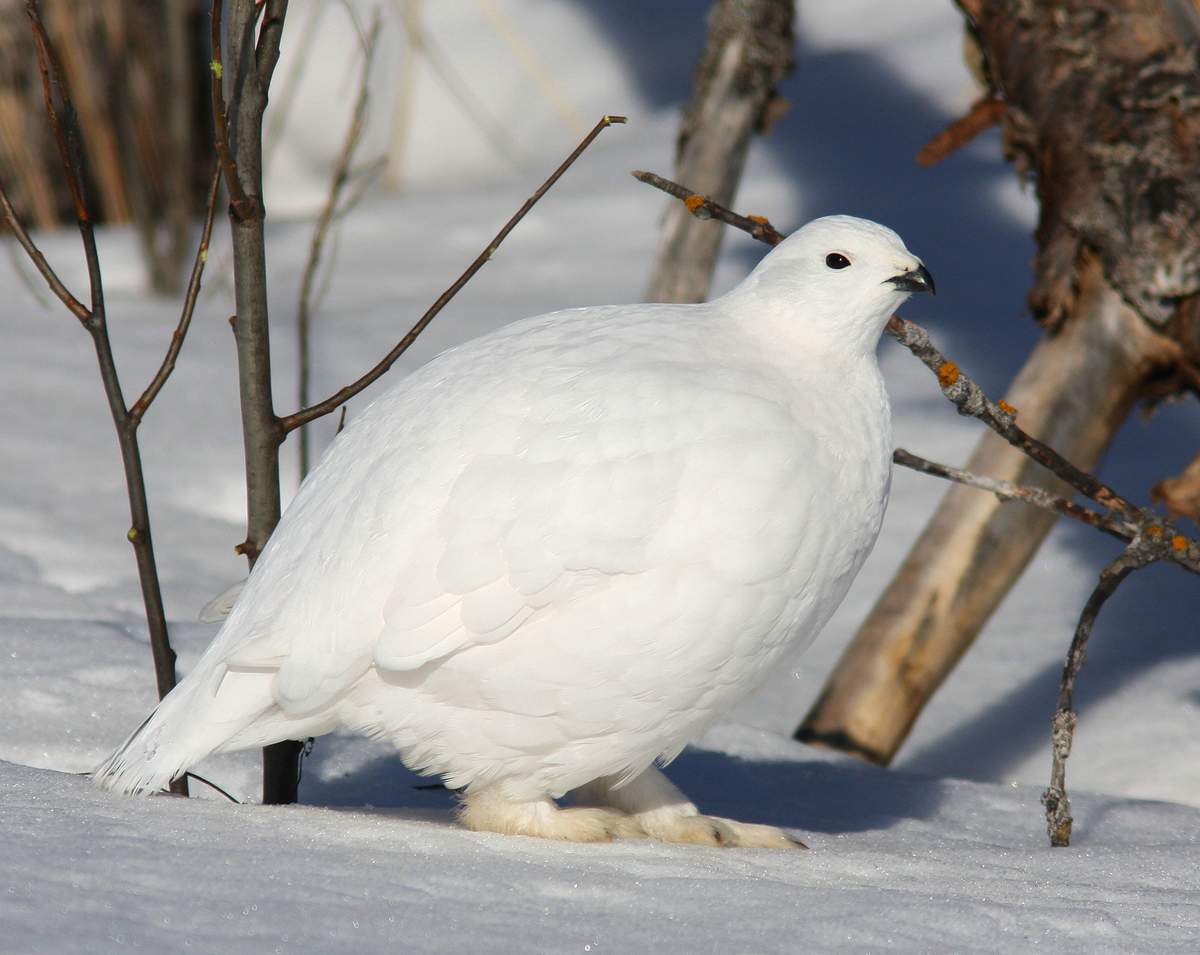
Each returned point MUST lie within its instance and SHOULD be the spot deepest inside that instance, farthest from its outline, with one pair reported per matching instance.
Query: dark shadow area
(817, 796)
(384, 782)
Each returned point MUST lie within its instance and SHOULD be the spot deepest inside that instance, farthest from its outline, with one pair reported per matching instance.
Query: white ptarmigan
(555, 554)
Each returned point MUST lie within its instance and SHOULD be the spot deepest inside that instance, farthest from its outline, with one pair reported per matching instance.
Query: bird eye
(835, 260)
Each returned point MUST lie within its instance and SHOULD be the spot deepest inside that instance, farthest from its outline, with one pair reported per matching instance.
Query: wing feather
(588, 474)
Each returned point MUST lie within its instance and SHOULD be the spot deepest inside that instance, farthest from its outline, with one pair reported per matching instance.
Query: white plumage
(557, 553)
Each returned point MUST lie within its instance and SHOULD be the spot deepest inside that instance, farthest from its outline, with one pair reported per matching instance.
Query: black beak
(918, 280)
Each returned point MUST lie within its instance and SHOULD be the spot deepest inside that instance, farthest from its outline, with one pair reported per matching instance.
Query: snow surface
(910, 859)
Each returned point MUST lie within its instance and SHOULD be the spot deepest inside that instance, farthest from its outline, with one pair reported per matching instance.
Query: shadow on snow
(809, 796)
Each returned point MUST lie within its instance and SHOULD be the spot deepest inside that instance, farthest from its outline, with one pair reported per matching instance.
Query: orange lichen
(1154, 531)
(694, 202)
(947, 374)
(761, 220)
(1007, 408)
(1179, 543)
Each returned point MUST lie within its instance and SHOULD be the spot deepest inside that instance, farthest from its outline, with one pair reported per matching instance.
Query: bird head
(837, 280)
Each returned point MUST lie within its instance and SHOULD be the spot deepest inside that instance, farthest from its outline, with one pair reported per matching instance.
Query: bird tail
(210, 710)
(158, 751)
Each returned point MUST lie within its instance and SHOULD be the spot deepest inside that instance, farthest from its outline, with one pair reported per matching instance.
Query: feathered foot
(489, 811)
(662, 812)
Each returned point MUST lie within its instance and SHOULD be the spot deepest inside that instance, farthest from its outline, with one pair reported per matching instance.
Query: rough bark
(1102, 111)
(748, 52)
(249, 64)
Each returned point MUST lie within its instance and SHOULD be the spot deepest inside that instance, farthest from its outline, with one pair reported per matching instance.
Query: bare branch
(139, 408)
(341, 175)
(363, 178)
(238, 199)
(970, 400)
(266, 52)
(983, 114)
(704, 208)
(53, 93)
(66, 135)
(1139, 553)
(94, 320)
(1008, 491)
(305, 415)
(76, 307)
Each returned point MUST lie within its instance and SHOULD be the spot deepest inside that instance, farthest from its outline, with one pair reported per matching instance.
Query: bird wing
(503, 485)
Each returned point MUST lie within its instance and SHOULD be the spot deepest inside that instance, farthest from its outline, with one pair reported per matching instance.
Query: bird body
(556, 553)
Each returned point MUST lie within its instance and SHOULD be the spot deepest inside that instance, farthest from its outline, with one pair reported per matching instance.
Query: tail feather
(190, 723)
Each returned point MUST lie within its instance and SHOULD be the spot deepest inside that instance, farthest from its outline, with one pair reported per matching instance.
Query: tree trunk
(1103, 106)
(247, 75)
(748, 51)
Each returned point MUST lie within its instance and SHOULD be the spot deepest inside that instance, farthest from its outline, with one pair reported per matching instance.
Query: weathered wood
(1103, 111)
(748, 52)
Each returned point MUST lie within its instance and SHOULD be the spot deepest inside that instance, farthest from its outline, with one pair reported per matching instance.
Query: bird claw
(719, 832)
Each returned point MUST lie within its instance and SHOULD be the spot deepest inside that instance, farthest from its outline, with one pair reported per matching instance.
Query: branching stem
(93, 317)
(1058, 806)
(303, 416)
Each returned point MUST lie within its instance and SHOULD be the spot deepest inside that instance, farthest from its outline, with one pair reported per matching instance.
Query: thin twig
(1029, 494)
(26, 279)
(983, 114)
(53, 93)
(970, 400)
(139, 408)
(704, 208)
(284, 97)
(341, 175)
(363, 177)
(66, 135)
(266, 50)
(238, 199)
(94, 320)
(208, 782)
(76, 307)
(1139, 553)
(303, 416)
